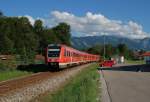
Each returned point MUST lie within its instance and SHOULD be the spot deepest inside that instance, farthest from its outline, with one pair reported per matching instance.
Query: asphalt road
(128, 83)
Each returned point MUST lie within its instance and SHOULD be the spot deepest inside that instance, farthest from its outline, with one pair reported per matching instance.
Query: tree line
(19, 37)
(111, 51)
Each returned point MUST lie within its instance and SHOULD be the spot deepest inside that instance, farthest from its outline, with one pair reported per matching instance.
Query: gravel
(32, 91)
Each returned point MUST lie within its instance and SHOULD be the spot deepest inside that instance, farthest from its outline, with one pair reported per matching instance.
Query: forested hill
(89, 41)
(19, 37)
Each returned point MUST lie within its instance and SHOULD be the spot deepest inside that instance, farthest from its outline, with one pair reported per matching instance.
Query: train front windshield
(53, 51)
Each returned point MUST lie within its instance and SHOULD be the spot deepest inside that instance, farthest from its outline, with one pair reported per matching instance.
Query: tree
(125, 51)
(109, 50)
(6, 45)
(18, 36)
(96, 49)
(62, 32)
(38, 26)
(41, 35)
(122, 49)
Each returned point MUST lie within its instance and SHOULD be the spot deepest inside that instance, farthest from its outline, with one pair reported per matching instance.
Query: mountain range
(89, 41)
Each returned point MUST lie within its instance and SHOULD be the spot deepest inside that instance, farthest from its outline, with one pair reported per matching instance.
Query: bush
(8, 64)
(2, 67)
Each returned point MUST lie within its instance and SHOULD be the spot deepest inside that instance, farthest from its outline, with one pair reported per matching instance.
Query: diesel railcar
(62, 56)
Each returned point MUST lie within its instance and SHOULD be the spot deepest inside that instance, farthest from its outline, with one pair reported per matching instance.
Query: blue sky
(122, 10)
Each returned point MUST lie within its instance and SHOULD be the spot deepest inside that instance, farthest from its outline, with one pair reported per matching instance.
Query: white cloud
(31, 19)
(94, 24)
(97, 24)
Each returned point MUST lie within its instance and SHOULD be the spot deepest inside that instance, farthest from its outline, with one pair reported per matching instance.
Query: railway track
(11, 85)
(31, 86)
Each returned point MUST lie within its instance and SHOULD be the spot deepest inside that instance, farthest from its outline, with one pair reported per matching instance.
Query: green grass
(12, 74)
(135, 62)
(82, 88)
(39, 62)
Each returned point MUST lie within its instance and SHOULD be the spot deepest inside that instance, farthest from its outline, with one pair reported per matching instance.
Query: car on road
(107, 63)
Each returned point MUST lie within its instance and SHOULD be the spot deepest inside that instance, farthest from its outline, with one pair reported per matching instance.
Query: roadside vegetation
(82, 88)
(8, 70)
(11, 67)
(12, 74)
(135, 62)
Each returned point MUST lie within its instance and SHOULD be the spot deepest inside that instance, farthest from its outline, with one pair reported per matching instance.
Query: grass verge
(135, 62)
(12, 74)
(82, 88)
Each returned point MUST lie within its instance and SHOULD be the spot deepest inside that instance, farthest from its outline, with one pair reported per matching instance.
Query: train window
(77, 55)
(73, 54)
(54, 51)
(65, 52)
(68, 53)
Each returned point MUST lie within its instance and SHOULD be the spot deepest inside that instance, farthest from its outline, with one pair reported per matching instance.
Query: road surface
(127, 83)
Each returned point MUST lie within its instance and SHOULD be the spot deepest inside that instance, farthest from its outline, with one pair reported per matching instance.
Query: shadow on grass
(34, 68)
(132, 68)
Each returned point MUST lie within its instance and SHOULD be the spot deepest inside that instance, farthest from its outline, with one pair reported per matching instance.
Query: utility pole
(104, 46)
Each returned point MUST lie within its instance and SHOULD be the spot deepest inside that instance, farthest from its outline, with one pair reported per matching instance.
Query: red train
(61, 56)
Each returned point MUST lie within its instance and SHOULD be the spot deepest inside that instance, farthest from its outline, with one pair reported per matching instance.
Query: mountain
(85, 42)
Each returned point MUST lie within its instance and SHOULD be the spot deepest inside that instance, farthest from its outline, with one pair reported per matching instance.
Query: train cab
(53, 55)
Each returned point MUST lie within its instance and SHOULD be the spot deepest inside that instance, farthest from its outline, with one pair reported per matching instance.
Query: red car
(107, 63)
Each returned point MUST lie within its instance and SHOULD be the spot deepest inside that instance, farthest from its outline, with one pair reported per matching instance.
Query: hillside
(84, 42)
